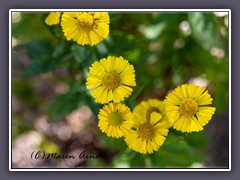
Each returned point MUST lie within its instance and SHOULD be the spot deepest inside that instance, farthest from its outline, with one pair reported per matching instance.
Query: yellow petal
(195, 126)
(172, 99)
(179, 124)
(204, 99)
(97, 92)
(93, 82)
(155, 117)
(195, 91)
(53, 18)
(129, 80)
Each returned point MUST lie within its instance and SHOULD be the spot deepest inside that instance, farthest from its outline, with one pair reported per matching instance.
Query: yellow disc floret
(85, 22)
(111, 80)
(146, 131)
(115, 119)
(188, 107)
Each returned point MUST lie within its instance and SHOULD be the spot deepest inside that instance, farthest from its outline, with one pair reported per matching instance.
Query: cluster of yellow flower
(145, 129)
(111, 80)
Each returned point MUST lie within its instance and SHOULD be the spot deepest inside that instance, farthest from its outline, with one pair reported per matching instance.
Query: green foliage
(24, 91)
(31, 26)
(132, 101)
(64, 104)
(45, 57)
(163, 55)
(19, 126)
(176, 152)
(181, 155)
(205, 30)
(113, 143)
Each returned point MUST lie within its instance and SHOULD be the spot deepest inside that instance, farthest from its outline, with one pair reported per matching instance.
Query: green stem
(95, 52)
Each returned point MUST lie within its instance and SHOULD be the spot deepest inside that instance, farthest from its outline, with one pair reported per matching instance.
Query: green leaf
(40, 67)
(64, 104)
(45, 57)
(31, 26)
(112, 143)
(205, 30)
(19, 125)
(177, 152)
(36, 50)
(24, 91)
(121, 161)
(83, 55)
(132, 100)
(119, 43)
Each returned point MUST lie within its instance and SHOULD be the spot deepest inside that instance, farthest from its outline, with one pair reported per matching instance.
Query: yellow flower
(110, 78)
(147, 135)
(187, 107)
(86, 28)
(53, 18)
(152, 105)
(115, 119)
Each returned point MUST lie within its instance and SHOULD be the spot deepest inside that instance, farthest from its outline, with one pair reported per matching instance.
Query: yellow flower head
(86, 28)
(115, 119)
(147, 135)
(110, 78)
(187, 108)
(152, 105)
(53, 18)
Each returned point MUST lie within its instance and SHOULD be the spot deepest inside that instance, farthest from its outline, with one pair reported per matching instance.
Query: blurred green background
(53, 112)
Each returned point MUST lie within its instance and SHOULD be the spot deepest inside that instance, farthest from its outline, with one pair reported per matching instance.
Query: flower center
(85, 22)
(150, 111)
(146, 131)
(115, 119)
(111, 80)
(188, 107)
